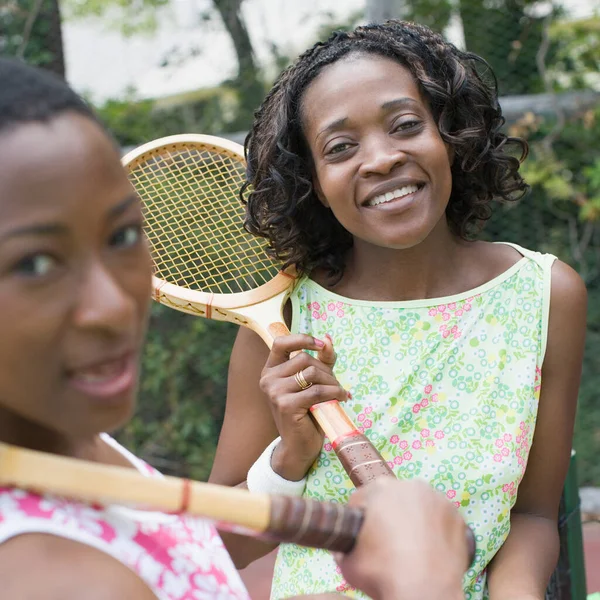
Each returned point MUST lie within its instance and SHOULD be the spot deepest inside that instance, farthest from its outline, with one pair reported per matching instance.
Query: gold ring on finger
(301, 381)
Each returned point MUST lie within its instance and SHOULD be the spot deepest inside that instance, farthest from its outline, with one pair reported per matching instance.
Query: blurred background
(158, 67)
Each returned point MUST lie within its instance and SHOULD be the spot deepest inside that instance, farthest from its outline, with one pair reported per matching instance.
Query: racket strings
(194, 219)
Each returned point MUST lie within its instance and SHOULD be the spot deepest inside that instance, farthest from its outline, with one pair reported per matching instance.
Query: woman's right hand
(413, 543)
(301, 440)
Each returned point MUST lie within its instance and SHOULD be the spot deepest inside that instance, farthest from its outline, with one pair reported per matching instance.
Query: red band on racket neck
(186, 495)
(209, 306)
(344, 438)
(287, 275)
(157, 291)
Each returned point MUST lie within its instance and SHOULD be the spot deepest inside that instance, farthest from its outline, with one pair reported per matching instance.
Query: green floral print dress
(447, 389)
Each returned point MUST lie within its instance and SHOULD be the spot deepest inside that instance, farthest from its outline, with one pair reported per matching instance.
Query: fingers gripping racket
(207, 265)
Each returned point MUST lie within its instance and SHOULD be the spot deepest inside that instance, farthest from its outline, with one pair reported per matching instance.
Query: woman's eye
(337, 148)
(407, 125)
(36, 265)
(127, 236)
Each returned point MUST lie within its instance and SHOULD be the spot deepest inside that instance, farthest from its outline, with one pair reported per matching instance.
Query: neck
(18, 431)
(428, 270)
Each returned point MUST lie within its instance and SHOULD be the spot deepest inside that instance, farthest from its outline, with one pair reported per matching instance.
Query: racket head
(205, 262)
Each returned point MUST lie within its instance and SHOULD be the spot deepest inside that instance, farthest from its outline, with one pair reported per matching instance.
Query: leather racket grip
(306, 522)
(360, 459)
(326, 525)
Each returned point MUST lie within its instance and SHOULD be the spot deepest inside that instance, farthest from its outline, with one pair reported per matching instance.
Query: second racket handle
(326, 525)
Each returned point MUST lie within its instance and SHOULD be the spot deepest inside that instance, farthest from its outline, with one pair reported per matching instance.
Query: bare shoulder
(568, 291)
(483, 261)
(64, 570)
(568, 312)
(499, 255)
(249, 352)
(567, 319)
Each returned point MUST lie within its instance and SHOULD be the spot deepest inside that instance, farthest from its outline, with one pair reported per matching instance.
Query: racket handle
(360, 459)
(327, 525)
(315, 524)
(358, 456)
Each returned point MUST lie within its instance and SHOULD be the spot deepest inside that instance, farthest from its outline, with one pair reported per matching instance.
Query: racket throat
(260, 317)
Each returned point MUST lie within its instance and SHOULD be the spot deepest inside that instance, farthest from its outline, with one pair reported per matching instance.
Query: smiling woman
(372, 164)
(372, 139)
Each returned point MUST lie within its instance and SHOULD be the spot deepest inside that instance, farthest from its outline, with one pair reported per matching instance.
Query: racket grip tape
(327, 525)
(360, 459)
(306, 522)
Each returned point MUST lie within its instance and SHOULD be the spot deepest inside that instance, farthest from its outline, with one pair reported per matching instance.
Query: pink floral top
(179, 557)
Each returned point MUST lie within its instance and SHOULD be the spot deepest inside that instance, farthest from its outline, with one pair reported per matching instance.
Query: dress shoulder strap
(545, 261)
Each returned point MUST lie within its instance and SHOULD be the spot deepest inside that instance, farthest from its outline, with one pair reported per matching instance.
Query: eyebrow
(399, 103)
(56, 229)
(119, 209)
(390, 105)
(47, 229)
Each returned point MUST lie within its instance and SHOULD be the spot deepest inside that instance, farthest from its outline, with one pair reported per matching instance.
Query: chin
(403, 236)
(404, 242)
(108, 418)
(121, 418)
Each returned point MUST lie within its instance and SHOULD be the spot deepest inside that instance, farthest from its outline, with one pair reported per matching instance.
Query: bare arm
(45, 567)
(524, 564)
(248, 428)
(264, 401)
(248, 425)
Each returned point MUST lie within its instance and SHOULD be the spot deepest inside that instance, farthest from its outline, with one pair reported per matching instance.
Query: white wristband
(262, 479)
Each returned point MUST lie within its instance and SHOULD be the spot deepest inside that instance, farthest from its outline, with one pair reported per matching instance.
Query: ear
(319, 191)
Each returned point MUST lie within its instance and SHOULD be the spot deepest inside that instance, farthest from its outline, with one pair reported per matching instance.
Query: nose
(103, 303)
(381, 155)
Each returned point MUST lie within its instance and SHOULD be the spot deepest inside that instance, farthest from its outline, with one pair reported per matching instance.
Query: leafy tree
(576, 63)
(507, 33)
(142, 16)
(127, 16)
(31, 30)
(248, 82)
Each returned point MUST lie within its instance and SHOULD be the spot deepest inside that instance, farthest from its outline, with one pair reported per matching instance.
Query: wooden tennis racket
(328, 525)
(276, 518)
(207, 265)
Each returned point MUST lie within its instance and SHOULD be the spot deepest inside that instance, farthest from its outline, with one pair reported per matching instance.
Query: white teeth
(100, 374)
(93, 378)
(403, 191)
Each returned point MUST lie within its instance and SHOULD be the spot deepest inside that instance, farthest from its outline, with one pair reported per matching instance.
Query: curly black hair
(30, 94)
(462, 93)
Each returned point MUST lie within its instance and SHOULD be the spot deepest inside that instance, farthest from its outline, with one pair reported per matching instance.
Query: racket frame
(260, 309)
